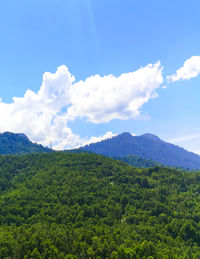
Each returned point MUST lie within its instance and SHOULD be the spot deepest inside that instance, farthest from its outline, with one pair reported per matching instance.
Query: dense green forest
(129, 159)
(88, 206)
(138, 161)
(19, 144)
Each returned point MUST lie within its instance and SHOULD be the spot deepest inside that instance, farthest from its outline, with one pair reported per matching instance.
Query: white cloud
(190, 69)
(87, 141)
(101, 99)
(108, 135)
(39, 114)
(43, 115)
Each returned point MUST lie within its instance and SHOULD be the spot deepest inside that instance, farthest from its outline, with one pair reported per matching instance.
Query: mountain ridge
(147, 146)
(19, 144)
(126, 147)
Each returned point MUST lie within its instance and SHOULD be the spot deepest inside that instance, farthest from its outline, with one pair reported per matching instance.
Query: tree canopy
(62, 205)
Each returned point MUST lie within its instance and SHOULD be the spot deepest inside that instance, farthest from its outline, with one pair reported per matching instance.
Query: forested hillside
(19, 144)
(138, 161)
(129, 159)
(88, 206)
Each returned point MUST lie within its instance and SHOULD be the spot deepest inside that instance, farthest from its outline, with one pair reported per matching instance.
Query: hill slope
(19, 144)
(138, 161)
(88, 206)
(146, 146)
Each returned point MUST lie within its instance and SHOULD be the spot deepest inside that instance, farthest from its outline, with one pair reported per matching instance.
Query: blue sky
(95, 39)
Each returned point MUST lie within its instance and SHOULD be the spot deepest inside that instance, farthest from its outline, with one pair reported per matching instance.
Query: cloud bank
(44, 115)
(190, 69)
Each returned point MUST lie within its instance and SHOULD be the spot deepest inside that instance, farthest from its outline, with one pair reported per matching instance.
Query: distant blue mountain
(147, 146)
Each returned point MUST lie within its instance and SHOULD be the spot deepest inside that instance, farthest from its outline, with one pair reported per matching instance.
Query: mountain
(19, 144)
(147, 146)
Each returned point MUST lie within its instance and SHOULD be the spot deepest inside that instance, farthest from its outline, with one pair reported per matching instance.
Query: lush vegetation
(138, 161)
(19, 144)
(129, 159)
(88, 206)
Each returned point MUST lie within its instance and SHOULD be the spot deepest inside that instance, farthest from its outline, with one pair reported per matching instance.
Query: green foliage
(19, 144)
(138, 161)
(88, 206)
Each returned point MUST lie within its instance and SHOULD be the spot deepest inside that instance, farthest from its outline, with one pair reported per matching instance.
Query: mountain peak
(9, 134)
(125, 134)
(147, 146)
(19, 143)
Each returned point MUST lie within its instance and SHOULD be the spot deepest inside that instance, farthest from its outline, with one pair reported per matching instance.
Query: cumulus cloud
(44, 115)
(101, 99)
(39, 114)
(190, 69)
